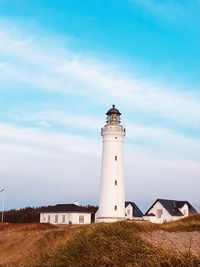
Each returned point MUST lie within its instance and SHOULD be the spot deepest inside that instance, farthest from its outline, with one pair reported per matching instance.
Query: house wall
(165, 216)
(129, 212)
(185, 210)
(69, 217)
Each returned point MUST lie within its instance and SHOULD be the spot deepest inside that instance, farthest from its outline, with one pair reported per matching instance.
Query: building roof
(113, 110)
(66, 208)
(136, 211)
(173, 206)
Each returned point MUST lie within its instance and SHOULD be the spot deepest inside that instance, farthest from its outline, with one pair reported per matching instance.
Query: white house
(66, 214)
(132, 212)
(166, 210)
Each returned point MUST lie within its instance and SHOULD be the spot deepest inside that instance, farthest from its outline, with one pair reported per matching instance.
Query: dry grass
(188, 224)
(119, 244)
(114, 245)
(27, 227)
(20, 244)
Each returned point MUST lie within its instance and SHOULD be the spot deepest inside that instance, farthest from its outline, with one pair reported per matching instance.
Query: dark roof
(113, 110)
(136, 211)
(66, 208)
(173, 206)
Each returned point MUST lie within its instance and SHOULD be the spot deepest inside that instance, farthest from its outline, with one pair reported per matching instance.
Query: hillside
(118, 244)
(20, 244)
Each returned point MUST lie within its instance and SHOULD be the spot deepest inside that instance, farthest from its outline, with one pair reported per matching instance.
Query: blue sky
(64, 63)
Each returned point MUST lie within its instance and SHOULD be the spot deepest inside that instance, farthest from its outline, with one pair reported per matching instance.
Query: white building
(132, 212)
(112, 200)
(165, 210)
(66, 214)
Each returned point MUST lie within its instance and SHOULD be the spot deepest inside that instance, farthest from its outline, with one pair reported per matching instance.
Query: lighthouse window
(115, 207)
(115, 182)
(115, 158)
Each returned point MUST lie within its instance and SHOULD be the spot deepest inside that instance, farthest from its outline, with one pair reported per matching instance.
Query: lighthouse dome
(113, 110)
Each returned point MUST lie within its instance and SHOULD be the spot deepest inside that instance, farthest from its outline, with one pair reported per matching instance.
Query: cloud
(158, 140)
(54, 143)
(75, 74)
(35, 161)
(161, 158)
(149, 177)
(42, 123)
(59, 117)
(56, 163)
(165, 141)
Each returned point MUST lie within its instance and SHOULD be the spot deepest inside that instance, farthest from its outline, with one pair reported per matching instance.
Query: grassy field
(115, 244)
(22, 244)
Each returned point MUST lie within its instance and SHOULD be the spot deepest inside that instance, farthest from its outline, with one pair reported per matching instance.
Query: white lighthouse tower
(112, 200)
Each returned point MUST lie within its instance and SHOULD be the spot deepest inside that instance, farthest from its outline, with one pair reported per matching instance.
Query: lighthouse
(112, 199)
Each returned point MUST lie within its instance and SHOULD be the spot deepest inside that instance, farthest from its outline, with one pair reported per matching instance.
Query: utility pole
(2, 213)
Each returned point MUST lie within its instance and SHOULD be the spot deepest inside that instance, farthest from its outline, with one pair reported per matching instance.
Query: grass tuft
(187, 224)
(113, 245)
(127, 244)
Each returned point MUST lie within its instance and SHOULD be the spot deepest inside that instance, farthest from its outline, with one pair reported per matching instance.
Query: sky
(64, 63)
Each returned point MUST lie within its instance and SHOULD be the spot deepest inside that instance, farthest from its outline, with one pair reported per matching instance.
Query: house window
(115, 182)
(49, 218)
(115, 207)
(44, 218)
(63, 219)
(81, 219)
(115, 158)
(128, 211)
(159, 212)
(56, 218)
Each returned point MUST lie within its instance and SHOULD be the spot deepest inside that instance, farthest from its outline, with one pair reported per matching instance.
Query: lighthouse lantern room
(112, 200)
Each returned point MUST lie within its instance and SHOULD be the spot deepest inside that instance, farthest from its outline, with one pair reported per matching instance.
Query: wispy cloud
(39, 159)
(42, 123)
(55, 143)
(72, 73)
(39, 151)
(58, 117)
(153, 139)
(165, 141)
(154, 177)
(33, 159)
